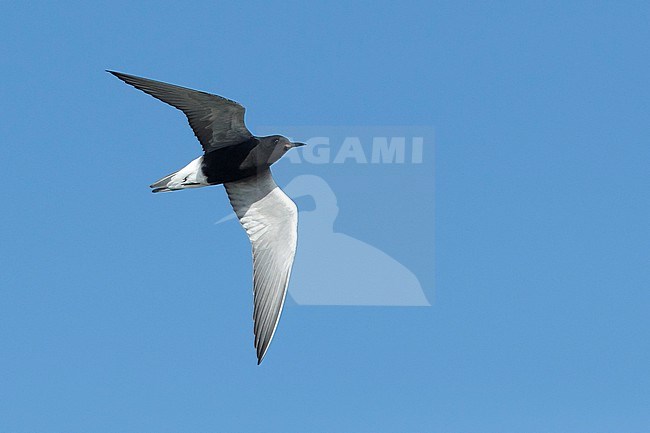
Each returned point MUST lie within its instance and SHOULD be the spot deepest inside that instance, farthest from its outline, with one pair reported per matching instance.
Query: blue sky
(125, 311)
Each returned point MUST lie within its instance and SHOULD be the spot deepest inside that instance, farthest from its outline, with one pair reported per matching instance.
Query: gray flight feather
(270, 219)
(216, 121)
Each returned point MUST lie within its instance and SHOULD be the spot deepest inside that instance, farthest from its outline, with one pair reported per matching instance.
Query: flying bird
(234, 157)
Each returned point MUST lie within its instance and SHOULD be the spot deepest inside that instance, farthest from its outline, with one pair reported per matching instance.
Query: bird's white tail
(190, 176)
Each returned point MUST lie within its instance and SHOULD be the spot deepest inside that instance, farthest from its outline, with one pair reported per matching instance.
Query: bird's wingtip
(260, 357)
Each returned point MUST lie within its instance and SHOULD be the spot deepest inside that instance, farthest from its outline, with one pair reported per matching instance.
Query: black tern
(241, 162)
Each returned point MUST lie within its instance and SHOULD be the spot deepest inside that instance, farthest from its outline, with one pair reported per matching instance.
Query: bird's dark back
(233, 163)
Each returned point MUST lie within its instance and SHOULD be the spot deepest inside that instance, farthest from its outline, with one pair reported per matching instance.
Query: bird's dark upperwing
(270, 219)
(217, 122)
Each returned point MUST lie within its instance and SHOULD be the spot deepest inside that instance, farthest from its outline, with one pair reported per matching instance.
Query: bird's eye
(276, 141)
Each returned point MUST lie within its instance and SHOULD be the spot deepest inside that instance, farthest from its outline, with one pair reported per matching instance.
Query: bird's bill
(298, 144)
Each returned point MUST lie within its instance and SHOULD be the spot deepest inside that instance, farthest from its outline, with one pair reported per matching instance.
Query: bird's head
(276, 145)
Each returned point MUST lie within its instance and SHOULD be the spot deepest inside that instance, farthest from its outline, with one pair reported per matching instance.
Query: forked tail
(190, 176)
(161, 185)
